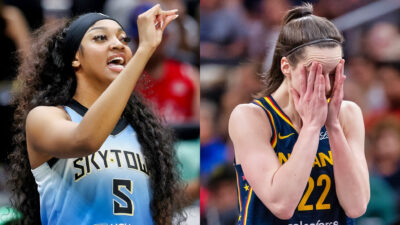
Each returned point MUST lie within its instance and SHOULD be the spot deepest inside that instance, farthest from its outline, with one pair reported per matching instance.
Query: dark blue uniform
(319, 204)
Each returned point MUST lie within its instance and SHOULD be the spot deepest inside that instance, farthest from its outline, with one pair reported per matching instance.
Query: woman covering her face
(88, 150)
(299, 149)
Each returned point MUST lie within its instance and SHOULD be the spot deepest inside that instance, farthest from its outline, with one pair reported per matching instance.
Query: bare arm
(346, 132)
(250, 133)
(350, 166)
(268, 178)
(50, 133)
(17, 28)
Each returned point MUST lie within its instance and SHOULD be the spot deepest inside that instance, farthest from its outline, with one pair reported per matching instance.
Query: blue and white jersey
(110, 186)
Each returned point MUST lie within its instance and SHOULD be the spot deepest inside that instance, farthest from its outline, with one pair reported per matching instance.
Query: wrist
(308, 127)
(333, 125)
(145, 51)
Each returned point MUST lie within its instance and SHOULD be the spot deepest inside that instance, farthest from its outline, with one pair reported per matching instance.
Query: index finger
(169, 12)
(338, 74)
(303, 78)
(155, 10)
(311, 77)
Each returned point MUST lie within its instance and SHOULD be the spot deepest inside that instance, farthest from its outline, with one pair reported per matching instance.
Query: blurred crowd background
(170, 81)
(237, 39)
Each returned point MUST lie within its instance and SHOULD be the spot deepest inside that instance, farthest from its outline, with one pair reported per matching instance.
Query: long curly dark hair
(45, 79)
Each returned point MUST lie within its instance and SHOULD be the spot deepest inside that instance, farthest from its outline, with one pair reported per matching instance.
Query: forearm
(351, 174)
(103, 115)
(292, 177)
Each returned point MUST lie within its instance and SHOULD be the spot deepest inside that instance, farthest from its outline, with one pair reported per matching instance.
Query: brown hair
(299, 27)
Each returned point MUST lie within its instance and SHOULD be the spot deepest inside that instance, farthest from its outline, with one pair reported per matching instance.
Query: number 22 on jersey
(320, 205)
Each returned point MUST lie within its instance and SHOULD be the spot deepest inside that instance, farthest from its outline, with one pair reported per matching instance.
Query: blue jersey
(110, 186)
(319, 204)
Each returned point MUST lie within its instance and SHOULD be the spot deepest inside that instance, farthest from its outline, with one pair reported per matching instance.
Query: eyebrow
(103, 28)
(333, 70)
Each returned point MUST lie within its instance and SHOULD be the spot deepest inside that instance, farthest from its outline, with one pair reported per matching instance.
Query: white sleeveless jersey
(108, 187)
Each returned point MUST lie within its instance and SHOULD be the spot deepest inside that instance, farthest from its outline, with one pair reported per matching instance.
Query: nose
(117, 44)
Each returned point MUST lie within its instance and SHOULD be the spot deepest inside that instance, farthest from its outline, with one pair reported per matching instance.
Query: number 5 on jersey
(127, 207)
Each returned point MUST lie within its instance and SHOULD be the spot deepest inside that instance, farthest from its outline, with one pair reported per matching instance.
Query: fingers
(151, 14)
(321, 87)
(168, 20)
(303, 83)
(155, 10)
(172, 12)
(311, 78)
(327, 83)
(339, 80)
(165, 17)
(338, 73)
(160, 17)
(317, 78)
(295, 95)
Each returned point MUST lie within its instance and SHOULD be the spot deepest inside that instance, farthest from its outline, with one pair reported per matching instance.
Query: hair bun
(298, 12)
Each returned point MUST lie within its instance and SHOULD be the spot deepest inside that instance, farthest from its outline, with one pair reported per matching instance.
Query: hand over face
(337, 95)
(310, 101)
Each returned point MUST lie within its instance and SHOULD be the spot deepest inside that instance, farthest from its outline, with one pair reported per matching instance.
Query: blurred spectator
(173, 86)
(333, 9)
(381, 209)
(32, 11)
(14, 42)
(222, 37)
(242, 85)
(383, 156)
(14, 36)
(386, 151)
(264, 30)
(364, 86)
(222, 197)
(213, 151)
(188, 154)
(183, 35)
(389, 73)
(120, 10)
(382, 42)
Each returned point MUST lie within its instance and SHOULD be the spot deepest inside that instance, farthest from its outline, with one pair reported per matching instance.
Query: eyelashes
(103, 37)
(126, 39)
(100, 38)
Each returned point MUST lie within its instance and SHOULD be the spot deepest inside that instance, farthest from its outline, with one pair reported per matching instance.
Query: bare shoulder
(247, 116)
(349, 110)
(248, 110)
(351, 117)
(42, 114)
(350, 106)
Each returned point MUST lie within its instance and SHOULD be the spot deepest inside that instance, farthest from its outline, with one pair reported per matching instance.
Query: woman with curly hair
(300, 156)
(88, 150)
